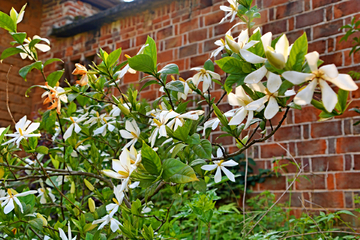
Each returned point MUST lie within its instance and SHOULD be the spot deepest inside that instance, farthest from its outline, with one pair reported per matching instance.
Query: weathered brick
(307, 182)
(346, 8)
(274, 183)
(288, 133)
(289, 9)
(311, 147)
(271, 3)
(188, 50)
(214, 17)
(164, 33)
(321, 199)
(325, 129)
(198, 60)
(349, 180)
(308, 19)
(327, 163)
(320, 3)
(198, 35)
(275, 27)
(327, 29)
(272, 150)
(347, 144)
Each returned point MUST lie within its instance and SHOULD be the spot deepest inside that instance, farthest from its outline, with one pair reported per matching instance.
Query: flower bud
(89, 185)
(72, 189)
(91, 205)
(45, 223)
(275, 59)
(123, 109)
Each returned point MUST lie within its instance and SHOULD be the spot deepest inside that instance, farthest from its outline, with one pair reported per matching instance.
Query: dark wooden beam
(103, 4)
(107, 16)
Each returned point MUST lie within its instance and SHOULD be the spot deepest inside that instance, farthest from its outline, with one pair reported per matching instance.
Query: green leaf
(37, 223)
(285, 85)
(203, 150)
(9, 52)
(182, 132)
(25, 70)
(295, 106)
(150, 160)
(51, 60)
(346, 212)
(342, 100)
(148, 83)
(19, 37)
(71, 108)
(297, 54)
(209, 65)
(232, 79)
(200, 185)
(7, 23)
(42, 150)
(318, 105)
(54, 77)
(176, 86)
(113, 57)
(170, 69)
(233, 66)
(151, 50)
(142, 63)
(103, 54)
(193, 139)
(176, 149)
(220, 115)
(2, 135)
(33, 42)
(176, 171)
(48, 120)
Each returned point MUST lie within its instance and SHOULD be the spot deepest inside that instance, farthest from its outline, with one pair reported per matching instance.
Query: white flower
(132, 131)
(221, 46)
(178, 120)
(214, 123)
(160, 123)
(240, 98)
(278, 56)
(57, 131)
(220, 166)
(9, 200)
(115, 112)
(114, 224)
(42, 191)
(230, 11)
(19, 16)
(127, 68)
(273, 85)
(122, 168)
(119, 197)
(319, 77)
(205, 76)
(74, 126)
(242, 44)
(40, 46)
(106, 124)
(63, 235)
(24, 128)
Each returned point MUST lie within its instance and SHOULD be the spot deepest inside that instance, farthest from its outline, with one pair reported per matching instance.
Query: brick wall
(17, 87)
(185, 32)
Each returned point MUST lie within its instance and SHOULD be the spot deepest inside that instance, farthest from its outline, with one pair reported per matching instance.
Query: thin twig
(245, 183)
(7, 96)
(36, 233)
(161, 185)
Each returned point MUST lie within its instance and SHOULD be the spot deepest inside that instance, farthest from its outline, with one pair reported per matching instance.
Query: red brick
(290, 197)
(319, 46)
(327, 29)
(274, 183)
(328, 199)
(189, 25)
(173, 42)
(272, 150)
(271, 3)
(347, 180)
(335, 58)
(310, 182)
(188, 50)
(214, 17)
(291, 24)
(198, 35)
(222, 28)
(308, 19)
(198, 60)
(166, 56)
(327, 163)
(346, 8)
(275, 27)
(348, 144)
(356, 162)
(289, 9)
(223, 140)
(285, 166)
(325, 129)
(311, 147)
(164, 33)
(287, 133)
(307, 114)
(320, 3)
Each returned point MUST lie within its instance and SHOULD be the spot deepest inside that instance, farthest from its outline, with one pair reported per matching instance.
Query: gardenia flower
(240, 98)
(115, 112)
(132, 131)
(221, 46)
(230, 11)
(102, 119)
(74, 126)
(160, 123)
(40, 46)
(42, 191)
(11, 198)
(55, 95)
(178, 120)
(187, 89)
(273, 85)
(242, 44)
(81, 70)
(63, 235)
(119, 197)
(220, 166)
(278, 56)
(23, 128)
(205, 76)
(214, 123)
(19, 17)
(114, 224)
(319, 77)
(122, 168)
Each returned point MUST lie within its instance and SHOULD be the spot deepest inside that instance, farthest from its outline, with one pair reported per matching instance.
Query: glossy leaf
(176, 171)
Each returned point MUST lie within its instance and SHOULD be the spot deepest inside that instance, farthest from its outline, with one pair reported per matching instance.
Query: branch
(161, 185)
(312, 233)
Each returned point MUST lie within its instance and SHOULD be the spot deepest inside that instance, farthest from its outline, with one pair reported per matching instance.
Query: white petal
(297, 78)
(32, 127)
(9, 207)
(274, 82)
(251, 57)
(304, 96)
(42, 47)
(126, 134)
(219, 152)
(111, 174)
(77, 128)
(68, 132)
(272, 108)
(255, 105)
(345, 82)
(259, 87)
(25, 193)
(62, 234)
(229, 163)
(250, 44)
(114, 225)
(266, 40)
(282, 47)
(330, 70)
(243, 37)
(238, 117)
(217, 177)
(249, 118)
(256, 76)
(19, 204)
(208, 167)
(100, 130)
(328, 96)
(312, 60)
(214, 75)
(229, 174)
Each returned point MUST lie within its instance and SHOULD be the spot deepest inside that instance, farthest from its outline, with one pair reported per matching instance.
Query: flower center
(220, 162)
(222, 41)
(319, 74)
(10, 193)
(21, 132)
(105, 120)
(203, 71)
(126, 174)
(157, 122)
(134, 134)
(233, 7)
(42, 190)
(72, 119)
(116, 201)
